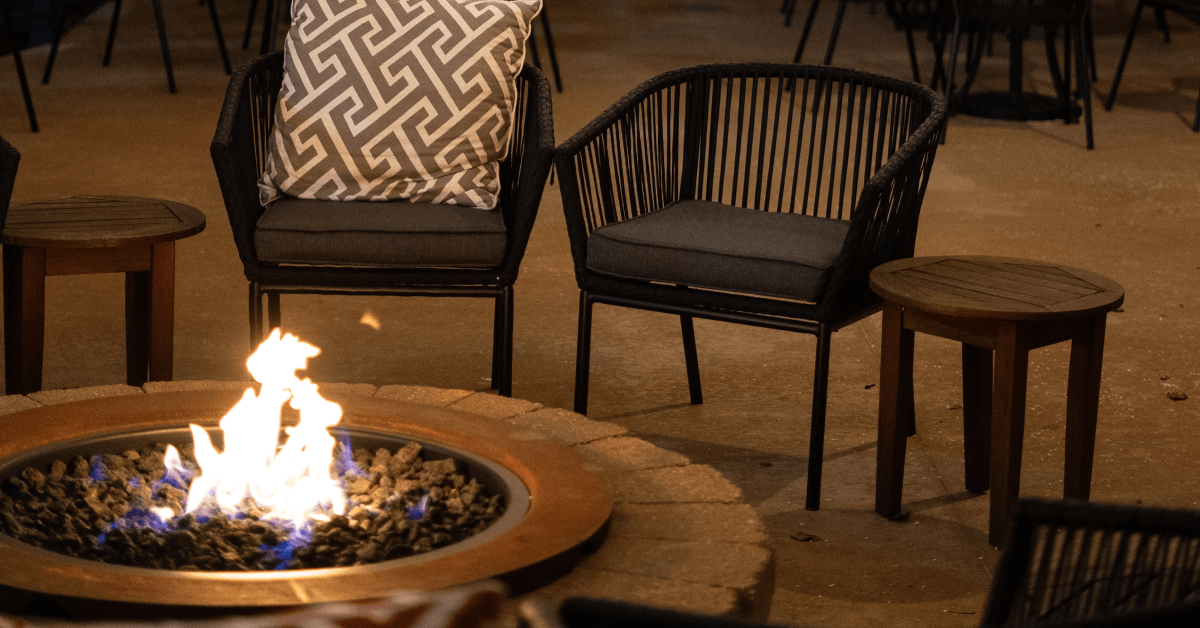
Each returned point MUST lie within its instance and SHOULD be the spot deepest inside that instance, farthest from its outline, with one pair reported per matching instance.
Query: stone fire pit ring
(568, 509)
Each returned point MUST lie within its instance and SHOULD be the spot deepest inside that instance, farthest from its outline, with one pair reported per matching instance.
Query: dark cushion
(710, 245)
(390, 234)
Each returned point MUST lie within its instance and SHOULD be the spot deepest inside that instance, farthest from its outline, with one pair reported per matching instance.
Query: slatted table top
(99, 221)
(1005, 288)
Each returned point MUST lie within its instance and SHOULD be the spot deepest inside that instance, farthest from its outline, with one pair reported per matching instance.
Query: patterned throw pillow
(397, 100)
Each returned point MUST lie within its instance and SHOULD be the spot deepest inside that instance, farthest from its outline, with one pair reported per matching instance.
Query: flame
(292, 482)
(370, 320)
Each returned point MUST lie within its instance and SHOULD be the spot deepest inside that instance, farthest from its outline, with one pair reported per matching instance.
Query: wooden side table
(77, 235)
(992, 305)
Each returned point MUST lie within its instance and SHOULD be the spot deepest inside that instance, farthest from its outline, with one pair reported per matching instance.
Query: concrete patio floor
(1126, 210)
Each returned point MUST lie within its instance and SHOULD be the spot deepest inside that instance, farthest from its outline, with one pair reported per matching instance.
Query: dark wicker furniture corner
(838, 158)
(1082, 565)
(239, 151)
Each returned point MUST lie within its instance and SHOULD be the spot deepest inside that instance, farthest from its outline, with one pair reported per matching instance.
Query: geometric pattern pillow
(397, 100)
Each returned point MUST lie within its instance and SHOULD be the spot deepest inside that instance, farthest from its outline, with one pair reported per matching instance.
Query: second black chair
(759, 194)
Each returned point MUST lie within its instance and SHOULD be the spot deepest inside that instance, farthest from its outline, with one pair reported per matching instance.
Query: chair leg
(216, 21)
(8, 31)
(689, 357)
(908, 39)
(583, 353)
(112, 34)
(550, 50)
(255, 302)
(56, 34)
(249, 25)
(1112, 92)
(816, 443)
(1084, 83)
(833, 35)
(502, 344)
(806, 30)
(1160, 21)
(162, 42)
(274, 318)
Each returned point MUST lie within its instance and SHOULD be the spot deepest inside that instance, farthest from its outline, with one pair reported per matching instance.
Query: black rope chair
(239, 150)
(1188, 8)
(1081, 564)
(659, 193)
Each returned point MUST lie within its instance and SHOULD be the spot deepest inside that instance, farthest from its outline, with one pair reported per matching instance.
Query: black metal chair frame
(239, 153)
(1188, 8)
(676, 161)
(60, 26)
(1081, 564)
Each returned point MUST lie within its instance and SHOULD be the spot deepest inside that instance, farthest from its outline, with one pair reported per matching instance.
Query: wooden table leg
(895, 395)
(24, 318)
(137, 326)
(1083, 401)
(162, 312)
(977, 416)
(1008, 427)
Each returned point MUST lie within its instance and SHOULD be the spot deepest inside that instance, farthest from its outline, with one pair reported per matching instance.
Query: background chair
(760, 194)
(1084, 564)
(239, 153)
(60, 28)
(900, 11)
(1188, 8)
(14, 42)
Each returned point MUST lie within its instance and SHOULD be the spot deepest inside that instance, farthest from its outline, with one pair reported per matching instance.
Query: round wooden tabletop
(1005, 288)
(99, 221)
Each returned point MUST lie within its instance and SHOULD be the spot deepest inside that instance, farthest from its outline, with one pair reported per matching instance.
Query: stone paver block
(195, 384)
(636, 589)
(672, 485)
(494, 406)
(737, 566)
(424, 395)
(565, 426)
(622, 454)
(329, 389)
(51, 397)
(730, 523)
(16, 403)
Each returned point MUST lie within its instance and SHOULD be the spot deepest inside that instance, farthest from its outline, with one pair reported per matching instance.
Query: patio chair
(1188, 8)
(759, 194)
(1084, 564)
(239, 154)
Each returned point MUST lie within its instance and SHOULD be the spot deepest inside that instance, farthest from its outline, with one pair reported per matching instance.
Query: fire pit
(557, 508)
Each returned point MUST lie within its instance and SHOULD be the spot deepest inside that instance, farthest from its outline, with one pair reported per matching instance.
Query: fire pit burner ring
(557, 508)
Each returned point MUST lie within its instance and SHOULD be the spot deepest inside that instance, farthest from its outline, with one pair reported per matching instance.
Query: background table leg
(1083, 401)
(1008, 427)
(24, 318)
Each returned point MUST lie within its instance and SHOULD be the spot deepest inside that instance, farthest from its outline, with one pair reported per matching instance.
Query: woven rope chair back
(1069, 562)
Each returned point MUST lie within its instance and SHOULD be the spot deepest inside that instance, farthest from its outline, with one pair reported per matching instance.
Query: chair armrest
(239, 147)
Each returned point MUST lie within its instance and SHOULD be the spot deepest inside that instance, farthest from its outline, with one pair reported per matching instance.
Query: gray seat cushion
(710, 245)
(389, 234)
